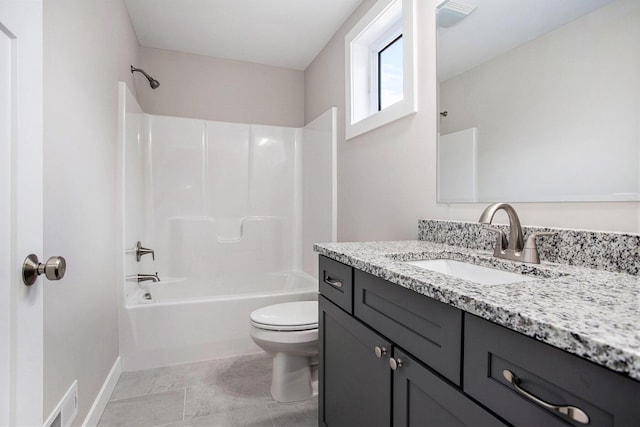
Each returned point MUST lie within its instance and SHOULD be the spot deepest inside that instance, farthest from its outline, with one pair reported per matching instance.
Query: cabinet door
(355, 384)
(423, 399)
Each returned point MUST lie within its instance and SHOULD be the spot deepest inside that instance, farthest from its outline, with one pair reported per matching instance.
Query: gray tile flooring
(231, 392)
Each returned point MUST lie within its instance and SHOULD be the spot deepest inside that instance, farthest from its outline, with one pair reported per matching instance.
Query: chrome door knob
(53, 269)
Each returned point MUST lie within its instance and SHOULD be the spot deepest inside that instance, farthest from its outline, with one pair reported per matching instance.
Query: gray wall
(387, 177)
(209, 88)
(88, 46)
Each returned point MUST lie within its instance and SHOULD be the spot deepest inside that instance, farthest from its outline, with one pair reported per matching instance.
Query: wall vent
(451, 12)
(67, 410)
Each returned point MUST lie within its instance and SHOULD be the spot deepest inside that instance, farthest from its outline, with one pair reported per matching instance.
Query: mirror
(539, 100)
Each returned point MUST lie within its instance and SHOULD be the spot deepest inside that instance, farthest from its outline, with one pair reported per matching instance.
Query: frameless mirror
(539, 100)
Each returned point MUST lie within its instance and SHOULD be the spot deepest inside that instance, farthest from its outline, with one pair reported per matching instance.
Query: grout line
(184, 405)
(273, 424)
(144, 395)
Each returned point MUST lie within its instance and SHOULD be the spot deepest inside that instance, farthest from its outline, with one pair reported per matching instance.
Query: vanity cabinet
(367, 375)
(391, 357)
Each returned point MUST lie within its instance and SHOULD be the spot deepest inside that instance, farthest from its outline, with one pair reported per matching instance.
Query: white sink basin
(470, 272)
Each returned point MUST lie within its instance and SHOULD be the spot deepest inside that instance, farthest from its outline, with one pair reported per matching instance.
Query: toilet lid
(289, 316)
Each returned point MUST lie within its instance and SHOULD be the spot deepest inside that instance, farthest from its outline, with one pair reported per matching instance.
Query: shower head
(152, 82)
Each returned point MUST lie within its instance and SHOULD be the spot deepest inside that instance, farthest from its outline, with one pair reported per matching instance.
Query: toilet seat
(289, 316)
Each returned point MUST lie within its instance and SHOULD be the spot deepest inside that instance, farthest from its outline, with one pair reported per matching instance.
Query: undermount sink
(471, 272)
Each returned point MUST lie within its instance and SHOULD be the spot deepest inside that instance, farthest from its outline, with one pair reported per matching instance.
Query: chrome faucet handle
(501, 243)
(530, 252)
(143, 251)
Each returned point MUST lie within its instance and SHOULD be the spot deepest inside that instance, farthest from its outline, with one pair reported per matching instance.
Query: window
(380, 67)
(389, 74)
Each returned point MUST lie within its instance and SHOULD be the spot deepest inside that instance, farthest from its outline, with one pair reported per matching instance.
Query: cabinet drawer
(429, 330)
(336, 283)
(545, 373)
(422, 399)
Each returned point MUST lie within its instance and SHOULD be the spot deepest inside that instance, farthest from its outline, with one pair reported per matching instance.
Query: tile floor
(230, 392)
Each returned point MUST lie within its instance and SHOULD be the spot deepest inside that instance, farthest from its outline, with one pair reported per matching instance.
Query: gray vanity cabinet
(389, 356)
(361, 384)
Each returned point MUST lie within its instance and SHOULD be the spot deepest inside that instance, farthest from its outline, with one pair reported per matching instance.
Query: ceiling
(283, 33)
(497, 26)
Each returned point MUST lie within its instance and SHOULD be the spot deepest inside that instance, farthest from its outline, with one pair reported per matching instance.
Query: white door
(21, 336)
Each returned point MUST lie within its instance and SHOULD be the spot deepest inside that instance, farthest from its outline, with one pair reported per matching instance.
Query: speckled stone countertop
(591, 313)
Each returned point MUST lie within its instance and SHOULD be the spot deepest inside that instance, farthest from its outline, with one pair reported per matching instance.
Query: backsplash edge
(615, 252)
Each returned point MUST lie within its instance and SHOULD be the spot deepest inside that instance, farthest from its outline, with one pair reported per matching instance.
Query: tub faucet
(514, 249)
(144, 277)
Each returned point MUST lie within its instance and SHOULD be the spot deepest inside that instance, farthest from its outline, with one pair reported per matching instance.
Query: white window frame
(359, 43)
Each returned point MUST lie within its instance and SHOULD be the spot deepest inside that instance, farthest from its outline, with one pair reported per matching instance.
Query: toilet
(289, 333)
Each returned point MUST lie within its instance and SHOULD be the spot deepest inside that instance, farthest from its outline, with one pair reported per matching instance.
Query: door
(423, 399)
(21, 220)
(355, 379)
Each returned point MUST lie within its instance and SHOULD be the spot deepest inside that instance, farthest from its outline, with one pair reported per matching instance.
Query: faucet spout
(144, 277)
(516, 240)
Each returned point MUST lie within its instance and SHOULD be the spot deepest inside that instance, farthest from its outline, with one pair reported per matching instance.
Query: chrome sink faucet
(514, 249)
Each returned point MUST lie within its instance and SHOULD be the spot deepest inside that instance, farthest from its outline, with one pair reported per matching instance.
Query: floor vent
(67, 410)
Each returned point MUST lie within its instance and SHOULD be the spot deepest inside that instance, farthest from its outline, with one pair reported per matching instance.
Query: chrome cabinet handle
(572, 412)
(53, 269)
(395, 363)
(380, 351)
(335, 283)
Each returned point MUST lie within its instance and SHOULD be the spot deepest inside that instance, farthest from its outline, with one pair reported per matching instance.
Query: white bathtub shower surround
(231, 211)
(131, 185)
(222, 199)
(320, 187)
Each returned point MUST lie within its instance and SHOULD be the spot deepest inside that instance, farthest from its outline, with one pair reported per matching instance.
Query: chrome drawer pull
(335, 283)
(572, 412)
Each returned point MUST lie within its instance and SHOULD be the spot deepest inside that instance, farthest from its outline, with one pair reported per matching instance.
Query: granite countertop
(591, 313)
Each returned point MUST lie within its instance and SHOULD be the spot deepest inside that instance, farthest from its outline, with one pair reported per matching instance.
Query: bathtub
(179, 321)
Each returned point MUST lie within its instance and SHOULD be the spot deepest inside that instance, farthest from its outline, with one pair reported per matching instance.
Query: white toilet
(289, 333)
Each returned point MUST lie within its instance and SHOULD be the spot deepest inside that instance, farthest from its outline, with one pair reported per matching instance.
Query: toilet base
(293, 378)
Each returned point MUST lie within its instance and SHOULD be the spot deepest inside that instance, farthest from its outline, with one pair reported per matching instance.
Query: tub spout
(144, 277)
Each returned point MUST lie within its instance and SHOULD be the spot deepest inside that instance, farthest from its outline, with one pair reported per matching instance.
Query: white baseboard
(93, 417)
